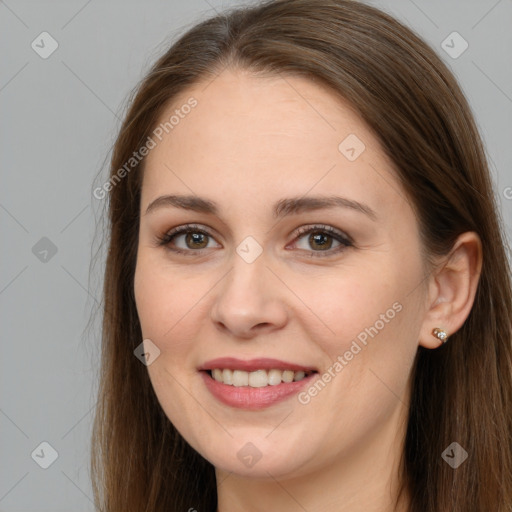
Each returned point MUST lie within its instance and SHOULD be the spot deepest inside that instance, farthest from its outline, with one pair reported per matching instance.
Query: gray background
(59, 118)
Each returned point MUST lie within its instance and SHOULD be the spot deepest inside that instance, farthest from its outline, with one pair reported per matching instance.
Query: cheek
(375, 321)
(370, 322)
(165, 307)
(171, 306)
(161, 299)
(352, 303)
(151, 298)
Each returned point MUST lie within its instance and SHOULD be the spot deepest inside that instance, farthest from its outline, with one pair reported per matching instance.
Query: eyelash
(345, 241)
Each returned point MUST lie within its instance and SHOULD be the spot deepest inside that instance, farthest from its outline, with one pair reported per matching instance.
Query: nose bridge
(248, 298)
(248, 269)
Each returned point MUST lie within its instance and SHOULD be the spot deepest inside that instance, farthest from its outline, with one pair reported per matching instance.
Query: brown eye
(320, 240)
(196, 240)
(186, 240)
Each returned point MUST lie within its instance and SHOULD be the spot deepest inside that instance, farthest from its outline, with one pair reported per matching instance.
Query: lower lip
(245, 397)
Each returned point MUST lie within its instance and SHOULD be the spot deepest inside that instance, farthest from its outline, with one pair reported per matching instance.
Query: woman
(307, 298)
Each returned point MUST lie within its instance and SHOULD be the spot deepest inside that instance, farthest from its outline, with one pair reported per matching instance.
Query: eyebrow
(282, 208)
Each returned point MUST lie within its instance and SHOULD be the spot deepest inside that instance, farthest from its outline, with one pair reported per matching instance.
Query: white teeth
(287, 376)
(240, 378)
(227, 377)
(274, 377)
(258, 378)
(299, 376)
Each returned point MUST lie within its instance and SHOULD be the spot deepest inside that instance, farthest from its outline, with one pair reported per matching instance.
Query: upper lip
(250, 365)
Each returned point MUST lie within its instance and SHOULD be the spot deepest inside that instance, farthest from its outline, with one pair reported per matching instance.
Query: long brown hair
(460, 392)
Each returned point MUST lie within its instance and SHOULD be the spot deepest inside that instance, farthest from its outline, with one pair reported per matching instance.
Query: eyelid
(334, 232)
(343, 238)
(168, 236)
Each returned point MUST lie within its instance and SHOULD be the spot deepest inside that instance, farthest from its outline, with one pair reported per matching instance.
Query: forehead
(250, 137)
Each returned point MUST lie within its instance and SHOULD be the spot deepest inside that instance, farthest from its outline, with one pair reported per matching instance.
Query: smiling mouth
(258, 378)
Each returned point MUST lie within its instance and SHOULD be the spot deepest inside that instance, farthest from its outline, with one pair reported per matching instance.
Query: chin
(260, 458)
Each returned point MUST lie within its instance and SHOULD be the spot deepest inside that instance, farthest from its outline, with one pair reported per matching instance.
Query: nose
(250, 300)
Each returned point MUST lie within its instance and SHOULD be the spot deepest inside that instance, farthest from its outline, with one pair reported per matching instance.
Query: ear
(451, 289)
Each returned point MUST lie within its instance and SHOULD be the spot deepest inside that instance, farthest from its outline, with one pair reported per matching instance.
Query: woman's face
(277, 276)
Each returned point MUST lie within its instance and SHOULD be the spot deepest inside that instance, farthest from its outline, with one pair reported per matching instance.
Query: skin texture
(248, 143)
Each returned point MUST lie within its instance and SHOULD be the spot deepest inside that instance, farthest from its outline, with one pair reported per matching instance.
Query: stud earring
(440, 334)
